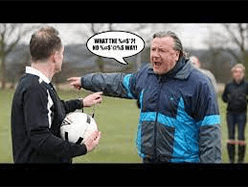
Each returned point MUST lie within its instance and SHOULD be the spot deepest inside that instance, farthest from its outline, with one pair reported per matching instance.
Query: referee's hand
(92, 99)
(93, 141)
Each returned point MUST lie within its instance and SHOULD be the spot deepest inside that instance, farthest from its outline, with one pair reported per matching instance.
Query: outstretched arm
(111, 84)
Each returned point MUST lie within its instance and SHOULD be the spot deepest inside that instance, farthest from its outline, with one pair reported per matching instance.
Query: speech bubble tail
(121, 60)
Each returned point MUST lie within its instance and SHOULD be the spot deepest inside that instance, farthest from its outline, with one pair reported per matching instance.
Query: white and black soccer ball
(77, 127)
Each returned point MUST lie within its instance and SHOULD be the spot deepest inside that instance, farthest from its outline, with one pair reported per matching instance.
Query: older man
(197, 64)
(179, 117)
(37, 111)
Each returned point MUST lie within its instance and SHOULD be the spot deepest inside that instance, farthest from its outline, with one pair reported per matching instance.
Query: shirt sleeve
(36, 116)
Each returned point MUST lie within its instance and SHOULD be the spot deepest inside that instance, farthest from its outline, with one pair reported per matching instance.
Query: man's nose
(155, 54)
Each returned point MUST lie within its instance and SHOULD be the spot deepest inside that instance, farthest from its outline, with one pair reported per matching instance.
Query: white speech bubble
(115, 44)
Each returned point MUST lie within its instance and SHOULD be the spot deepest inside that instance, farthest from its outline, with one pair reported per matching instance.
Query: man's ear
(54, 57)
(177, 55)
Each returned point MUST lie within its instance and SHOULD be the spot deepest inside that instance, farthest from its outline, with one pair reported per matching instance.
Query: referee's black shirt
(37, 113)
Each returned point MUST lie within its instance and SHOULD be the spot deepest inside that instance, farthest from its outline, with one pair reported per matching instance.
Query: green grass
(5, 130)
(117, 119)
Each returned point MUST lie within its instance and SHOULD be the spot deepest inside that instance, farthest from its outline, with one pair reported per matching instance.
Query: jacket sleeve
(208, 118)
(36, 115)
(111, 84)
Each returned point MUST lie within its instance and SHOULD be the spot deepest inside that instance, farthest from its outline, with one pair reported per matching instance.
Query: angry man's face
(162, 55)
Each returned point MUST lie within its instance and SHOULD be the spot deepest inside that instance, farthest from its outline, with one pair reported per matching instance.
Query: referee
(37, 111)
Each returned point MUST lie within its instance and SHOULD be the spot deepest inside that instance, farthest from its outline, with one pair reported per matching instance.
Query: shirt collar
(36, 72)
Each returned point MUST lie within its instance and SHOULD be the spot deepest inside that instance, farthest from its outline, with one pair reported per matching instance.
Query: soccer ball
(77, 127)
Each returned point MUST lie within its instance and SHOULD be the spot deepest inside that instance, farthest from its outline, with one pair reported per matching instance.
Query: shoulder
(29, 90)
(32, 84)
(202, 84)
(246, 82)
(142, 72)
(146, 69)
(229, 84)
(28, 81)
(198, 77)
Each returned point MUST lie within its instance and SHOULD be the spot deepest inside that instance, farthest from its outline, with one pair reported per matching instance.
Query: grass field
(117, 120)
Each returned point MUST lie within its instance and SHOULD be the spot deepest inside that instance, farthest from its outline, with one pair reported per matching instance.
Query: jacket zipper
(156, 119)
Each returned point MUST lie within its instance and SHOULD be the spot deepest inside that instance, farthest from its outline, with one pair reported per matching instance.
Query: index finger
(98, 93)
(72, 78)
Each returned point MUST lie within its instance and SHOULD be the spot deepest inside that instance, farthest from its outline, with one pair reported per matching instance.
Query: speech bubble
(115, 44)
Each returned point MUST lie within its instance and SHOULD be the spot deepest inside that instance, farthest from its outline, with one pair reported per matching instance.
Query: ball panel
(88, 119)
(66, 136)
(79, 141)
(77, 127)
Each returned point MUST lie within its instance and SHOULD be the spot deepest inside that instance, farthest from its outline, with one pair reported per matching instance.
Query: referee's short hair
(44, 43)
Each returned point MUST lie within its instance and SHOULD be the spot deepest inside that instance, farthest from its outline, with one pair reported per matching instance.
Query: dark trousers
(234, 119)
(238, 119)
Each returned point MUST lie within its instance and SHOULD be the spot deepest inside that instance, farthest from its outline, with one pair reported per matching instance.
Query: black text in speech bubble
(115, 44)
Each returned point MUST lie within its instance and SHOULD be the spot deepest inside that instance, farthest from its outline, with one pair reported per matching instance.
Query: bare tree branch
(227, 27)
(10, 37)
(241, 32)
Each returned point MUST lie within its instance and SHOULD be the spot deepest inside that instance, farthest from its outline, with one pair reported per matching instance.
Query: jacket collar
(181, 70)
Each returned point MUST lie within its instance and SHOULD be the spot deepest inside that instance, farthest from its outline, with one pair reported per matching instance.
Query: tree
(10, 35)
(99, 60)
(238, 39)
(94, 29)
(231, 39)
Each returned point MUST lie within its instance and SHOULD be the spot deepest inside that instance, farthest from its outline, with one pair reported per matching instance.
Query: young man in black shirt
(37, 111)
(235, 95)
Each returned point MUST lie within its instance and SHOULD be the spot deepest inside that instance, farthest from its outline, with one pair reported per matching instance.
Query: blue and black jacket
(179, 116)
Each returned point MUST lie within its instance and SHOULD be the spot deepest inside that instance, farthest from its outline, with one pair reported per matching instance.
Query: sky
(191, 35)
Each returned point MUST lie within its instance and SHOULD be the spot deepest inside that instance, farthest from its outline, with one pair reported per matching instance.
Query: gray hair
(178, 45)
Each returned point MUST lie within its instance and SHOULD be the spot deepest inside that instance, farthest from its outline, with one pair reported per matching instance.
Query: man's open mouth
(157, 63)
